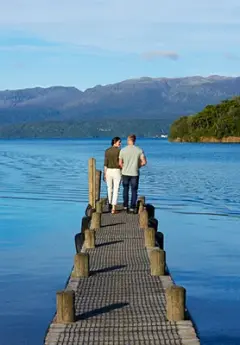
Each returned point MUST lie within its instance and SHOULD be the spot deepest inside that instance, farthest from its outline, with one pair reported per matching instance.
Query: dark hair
(115, 140)
(132, 137)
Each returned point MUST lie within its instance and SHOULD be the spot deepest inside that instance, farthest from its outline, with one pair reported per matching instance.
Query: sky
(84, 43)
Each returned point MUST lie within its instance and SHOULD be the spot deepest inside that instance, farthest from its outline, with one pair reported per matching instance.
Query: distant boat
(161, 136)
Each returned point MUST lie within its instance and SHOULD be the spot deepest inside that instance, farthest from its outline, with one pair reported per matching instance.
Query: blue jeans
(127, 182)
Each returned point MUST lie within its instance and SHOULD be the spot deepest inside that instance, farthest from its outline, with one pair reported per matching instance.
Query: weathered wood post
(98, 184)
(157, 262)
(65, 307)
(153, 223)
(99, 206)
(140, 207)
(81, 265)
(95, 221)
(176, 296)
(149, 235)
(150, 210)
(142, 199)
(143, 219)
(103, 201)
(89, 242)
(160, 239)
(92, 181)
(141, 202)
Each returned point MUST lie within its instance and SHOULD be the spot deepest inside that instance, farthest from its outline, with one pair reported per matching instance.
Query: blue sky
(83, 43)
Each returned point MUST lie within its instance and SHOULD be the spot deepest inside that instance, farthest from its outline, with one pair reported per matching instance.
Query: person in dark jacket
(112, 173)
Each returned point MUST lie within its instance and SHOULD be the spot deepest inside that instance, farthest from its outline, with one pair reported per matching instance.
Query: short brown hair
(132, 137)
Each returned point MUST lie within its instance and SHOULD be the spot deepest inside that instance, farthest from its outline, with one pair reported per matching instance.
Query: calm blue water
(43, 195)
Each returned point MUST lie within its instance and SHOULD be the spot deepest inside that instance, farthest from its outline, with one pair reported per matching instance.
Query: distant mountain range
(149, 99)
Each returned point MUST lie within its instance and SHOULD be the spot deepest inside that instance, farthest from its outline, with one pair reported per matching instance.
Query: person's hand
(104, 177)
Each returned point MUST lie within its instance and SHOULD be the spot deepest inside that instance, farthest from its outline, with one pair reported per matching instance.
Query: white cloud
(126, 25)
(160, 54)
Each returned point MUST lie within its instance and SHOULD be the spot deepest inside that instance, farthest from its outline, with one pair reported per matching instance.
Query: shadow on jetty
(100, 311)
(108, 269)
(108, 243)
(114, 224)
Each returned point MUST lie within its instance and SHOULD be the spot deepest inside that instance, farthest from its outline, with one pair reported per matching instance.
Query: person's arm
(120, 160)
(143, 159)
(105, 166)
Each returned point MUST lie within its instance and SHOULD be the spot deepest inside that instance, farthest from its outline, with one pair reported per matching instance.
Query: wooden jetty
(120, 291)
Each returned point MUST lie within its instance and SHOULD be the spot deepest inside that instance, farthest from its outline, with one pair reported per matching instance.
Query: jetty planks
(120, 303)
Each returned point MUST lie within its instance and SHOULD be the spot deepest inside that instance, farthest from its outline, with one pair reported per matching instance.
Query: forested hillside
(219, 122)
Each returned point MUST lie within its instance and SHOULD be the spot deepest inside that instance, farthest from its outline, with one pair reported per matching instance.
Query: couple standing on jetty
(123, 165)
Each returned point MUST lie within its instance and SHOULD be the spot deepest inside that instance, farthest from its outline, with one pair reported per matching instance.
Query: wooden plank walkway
(120, 303)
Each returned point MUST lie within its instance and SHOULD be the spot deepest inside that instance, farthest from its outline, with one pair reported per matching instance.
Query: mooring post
(99, 206)
(150, 210)
(141, 202)
(98, 184)
(140, 207)
(160, 239)
(92, 181)
(89, 242)
(149, 235)
(157, 262)
(65, 307)
(95, 221)
(103, 201)
(176, 296)
(81, 265)
(143, 219)
(153, 223)
(142, 199)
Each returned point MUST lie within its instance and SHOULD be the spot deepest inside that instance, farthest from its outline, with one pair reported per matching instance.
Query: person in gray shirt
(131, 159)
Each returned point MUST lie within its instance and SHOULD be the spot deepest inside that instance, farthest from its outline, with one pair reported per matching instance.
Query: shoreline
(232, 140)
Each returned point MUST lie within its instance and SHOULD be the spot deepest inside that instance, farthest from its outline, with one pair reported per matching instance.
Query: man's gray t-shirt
(131, 160)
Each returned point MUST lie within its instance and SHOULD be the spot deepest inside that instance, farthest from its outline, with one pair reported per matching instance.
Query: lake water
(43, 195)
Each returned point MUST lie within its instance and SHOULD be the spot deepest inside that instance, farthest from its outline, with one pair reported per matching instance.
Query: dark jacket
(111, 160)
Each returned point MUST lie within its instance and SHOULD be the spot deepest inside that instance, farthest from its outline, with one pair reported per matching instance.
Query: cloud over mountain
(160, 54)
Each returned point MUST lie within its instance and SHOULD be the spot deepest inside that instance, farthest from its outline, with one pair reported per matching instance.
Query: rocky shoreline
(233, 140)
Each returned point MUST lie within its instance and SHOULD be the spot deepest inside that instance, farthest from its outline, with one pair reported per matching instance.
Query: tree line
(214, 121)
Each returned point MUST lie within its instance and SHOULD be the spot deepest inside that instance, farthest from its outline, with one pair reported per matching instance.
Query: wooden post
(89, 242)
(160, 239)
(98, 184)
(143, 219)
(142, 199)
(99, 206)
(149, 235)
(150, 210)
(65, 307)
(85, 223)
(81, 265)
(103, 201)
(95, 221)
(157, 262)
(92, 181)
(176, 296)
(141, 203)
(140, 206)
